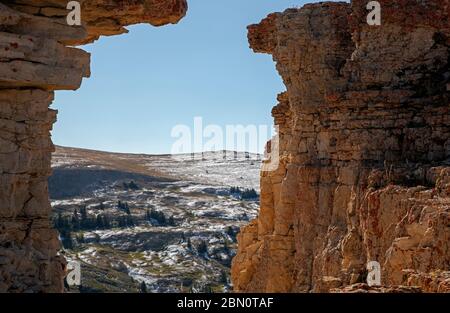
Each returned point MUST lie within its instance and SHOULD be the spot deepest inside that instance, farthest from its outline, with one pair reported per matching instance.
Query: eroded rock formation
(364, 148)
(364, 142)
(36, 60)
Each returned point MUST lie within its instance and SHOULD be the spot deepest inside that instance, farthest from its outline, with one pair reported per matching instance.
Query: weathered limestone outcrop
(36, 60)
(364, 148)
(364, 142)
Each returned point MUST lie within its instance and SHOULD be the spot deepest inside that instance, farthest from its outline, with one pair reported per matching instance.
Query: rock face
(364, 149)
(36, 60)
(364, 142)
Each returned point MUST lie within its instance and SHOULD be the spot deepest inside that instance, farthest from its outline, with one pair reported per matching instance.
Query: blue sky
(146, 82)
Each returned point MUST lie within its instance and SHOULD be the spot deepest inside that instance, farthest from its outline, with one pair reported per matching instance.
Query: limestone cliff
(364, 141)
(364, 148)
(36, 60)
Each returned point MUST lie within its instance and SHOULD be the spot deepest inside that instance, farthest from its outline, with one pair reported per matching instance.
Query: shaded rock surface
(36, 58)
(364, 149)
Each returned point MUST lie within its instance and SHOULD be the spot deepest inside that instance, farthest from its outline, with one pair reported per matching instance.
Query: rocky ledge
(37, 58)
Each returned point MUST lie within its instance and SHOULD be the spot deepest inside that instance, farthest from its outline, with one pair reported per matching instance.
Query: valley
(140, 223)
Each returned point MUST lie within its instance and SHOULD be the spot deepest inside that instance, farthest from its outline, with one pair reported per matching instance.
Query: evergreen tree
(132, 185)
(67, 240)
(123, 206)
(223, 277)
(60, 221)
(235, 190)
(106, 222)
(143, 287)
(249, 194)
(121, 221)
(202, 247)
(159, 217)
(75, 220)
(129, 221)
(80, 238)
(99, 222)
(230, 232)
(83, 213)
(84, 223)
(226, 247)
(96, 238)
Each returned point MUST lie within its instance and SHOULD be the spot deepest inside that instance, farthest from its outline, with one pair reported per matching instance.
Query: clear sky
(146, 82)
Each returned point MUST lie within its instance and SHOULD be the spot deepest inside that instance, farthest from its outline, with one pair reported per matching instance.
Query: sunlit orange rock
(364, 149)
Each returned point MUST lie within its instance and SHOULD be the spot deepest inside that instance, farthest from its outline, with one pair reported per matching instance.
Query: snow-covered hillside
(168, 222)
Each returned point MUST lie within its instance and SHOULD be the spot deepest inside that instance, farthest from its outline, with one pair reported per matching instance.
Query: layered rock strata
(36, 58)
(364, 137)
(364, 142)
